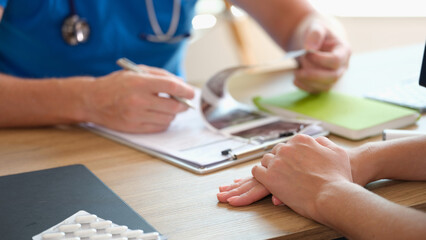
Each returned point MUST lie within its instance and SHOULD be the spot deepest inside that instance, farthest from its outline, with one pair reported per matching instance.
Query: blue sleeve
(3, 3)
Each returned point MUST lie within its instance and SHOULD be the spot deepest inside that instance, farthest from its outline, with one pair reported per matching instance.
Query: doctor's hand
(326, 61)
(298, 172)
(129, 102)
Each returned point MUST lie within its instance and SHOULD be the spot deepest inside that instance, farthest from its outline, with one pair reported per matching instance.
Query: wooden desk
(178, 203)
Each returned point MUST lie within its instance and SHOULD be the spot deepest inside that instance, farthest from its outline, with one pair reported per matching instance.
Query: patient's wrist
(364, 164)
(329, 201)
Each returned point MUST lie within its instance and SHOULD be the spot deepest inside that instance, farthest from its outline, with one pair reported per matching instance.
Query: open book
(218, 133)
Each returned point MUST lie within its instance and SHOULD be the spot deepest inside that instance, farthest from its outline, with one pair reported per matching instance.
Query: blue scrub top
(31, 43)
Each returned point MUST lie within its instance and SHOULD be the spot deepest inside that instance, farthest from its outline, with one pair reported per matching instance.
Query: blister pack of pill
(85, 226)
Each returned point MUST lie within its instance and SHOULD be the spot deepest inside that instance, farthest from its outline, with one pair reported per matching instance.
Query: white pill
(132, 233)
(121, 238)
(69, 227)
(101, 236)
(149, 236)
(86, 218)
(116, 230)
(54, 235)
(101, 224)
(85, 233)
(72, 238)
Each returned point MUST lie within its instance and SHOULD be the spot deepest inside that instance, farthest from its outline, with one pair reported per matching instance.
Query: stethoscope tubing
(158, 37)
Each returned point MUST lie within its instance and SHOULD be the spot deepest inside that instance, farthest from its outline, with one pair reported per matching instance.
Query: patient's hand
(244, 192)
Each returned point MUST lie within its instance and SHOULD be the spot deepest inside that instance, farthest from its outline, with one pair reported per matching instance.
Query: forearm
(278, 17)
(41, 102)
(359, 214)
(402, 159)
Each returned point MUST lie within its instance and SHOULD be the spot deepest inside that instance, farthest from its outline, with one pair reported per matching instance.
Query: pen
(296, 53)
(129, 65)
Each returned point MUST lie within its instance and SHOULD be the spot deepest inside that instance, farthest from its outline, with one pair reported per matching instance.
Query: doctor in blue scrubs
(58, 58)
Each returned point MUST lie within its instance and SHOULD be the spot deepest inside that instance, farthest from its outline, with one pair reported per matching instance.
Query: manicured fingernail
(221, 198)
(232, 199)
(275, 201)
(224, 188)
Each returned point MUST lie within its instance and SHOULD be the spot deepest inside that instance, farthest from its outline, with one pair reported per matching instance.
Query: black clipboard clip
(234, 154)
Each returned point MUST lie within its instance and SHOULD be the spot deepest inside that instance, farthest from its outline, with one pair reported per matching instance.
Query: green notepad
(348, 116)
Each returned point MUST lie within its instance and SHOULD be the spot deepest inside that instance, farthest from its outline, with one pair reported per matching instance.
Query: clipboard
(219, 132)
(233, 157)
(198, 169)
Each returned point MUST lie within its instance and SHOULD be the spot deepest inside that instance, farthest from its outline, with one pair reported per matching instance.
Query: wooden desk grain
(178, 203)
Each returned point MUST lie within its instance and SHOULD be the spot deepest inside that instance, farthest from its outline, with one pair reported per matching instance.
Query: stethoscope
(76, 30)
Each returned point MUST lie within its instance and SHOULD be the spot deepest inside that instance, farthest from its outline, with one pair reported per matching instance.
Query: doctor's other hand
(129, 102)
(298, 172)
(326, 61)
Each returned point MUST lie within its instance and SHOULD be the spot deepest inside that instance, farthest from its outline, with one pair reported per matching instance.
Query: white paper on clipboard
(197, 137)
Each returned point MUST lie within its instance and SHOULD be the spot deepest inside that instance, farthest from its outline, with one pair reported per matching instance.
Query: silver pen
(129, 65)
